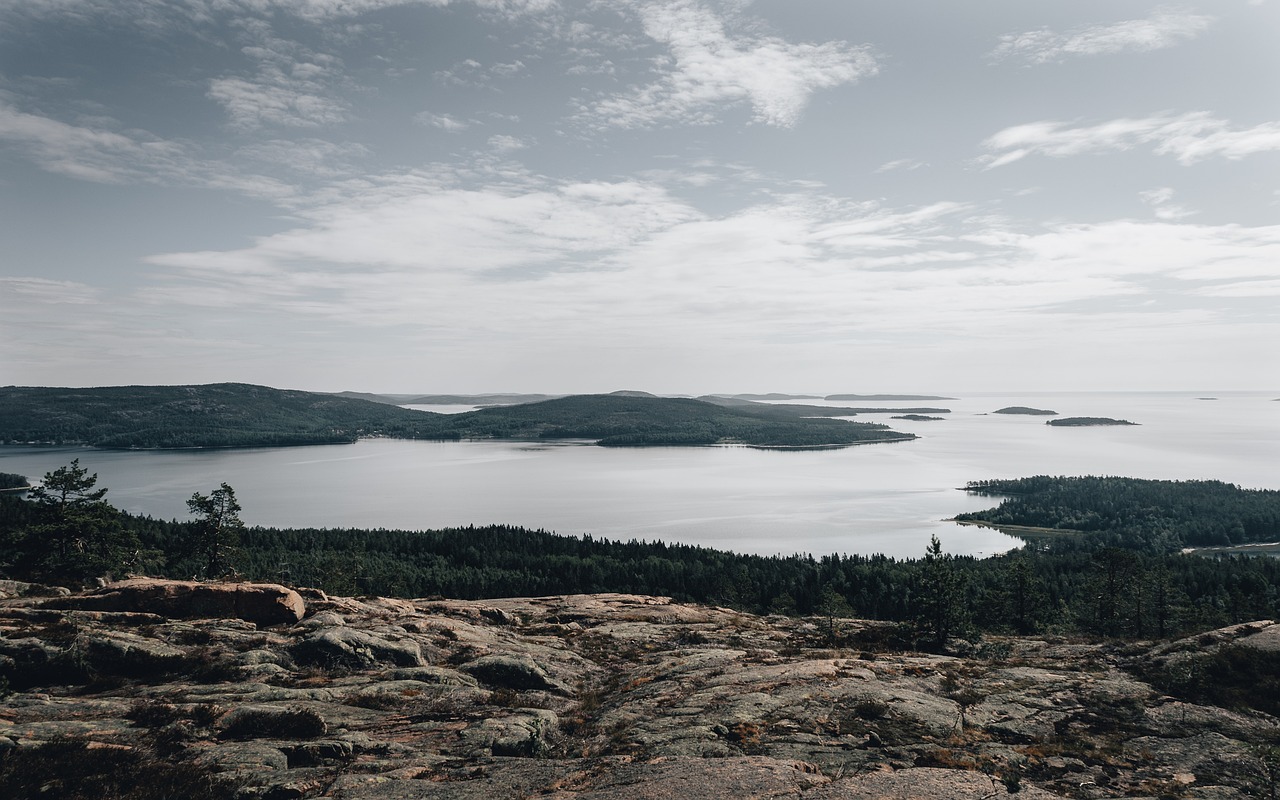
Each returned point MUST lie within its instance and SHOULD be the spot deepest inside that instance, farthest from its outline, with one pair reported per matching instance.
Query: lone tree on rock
(217, 529)
(77, 534)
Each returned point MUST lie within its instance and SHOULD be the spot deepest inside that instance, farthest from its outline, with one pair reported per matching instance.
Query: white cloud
(1161, 203)
(292, 85)
(445, 122)
(908, 164)
(101, 155)
(709, 69)
(40, 290)
(1189, 138)
(1164, 28)
(507, 144)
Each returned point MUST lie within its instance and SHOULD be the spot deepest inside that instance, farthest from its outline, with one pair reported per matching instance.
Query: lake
(881, 498)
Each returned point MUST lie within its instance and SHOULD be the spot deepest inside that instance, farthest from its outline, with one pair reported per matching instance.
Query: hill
(626, 419)
(212, 415)
(242, 415)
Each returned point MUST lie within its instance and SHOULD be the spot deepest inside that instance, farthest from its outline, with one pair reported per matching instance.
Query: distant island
(501, 399)
(243, 415)
(841, 398)
(814, 411)
(1084, 422)
(771, 397)
(1024, 410)
(918, 417)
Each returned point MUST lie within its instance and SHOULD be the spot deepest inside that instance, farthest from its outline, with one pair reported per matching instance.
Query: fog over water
(883, 498)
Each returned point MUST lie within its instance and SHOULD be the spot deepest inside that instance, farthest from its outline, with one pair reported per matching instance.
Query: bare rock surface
(607, 697)
(262, 603)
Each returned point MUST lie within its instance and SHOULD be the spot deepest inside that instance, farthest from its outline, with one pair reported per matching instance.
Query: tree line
(1114, 581)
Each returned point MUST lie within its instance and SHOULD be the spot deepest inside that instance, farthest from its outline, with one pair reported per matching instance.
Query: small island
(1084, 422)
(918, 417)
(12, 482)
(1026, 411)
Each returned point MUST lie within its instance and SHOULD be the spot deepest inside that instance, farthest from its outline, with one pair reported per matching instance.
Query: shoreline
(1015, 530)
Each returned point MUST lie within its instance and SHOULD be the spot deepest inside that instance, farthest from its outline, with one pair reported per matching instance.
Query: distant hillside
(841, 398)
(214, 415)
(473, 399)
(241, 415)
(799, 410)
(625, 419)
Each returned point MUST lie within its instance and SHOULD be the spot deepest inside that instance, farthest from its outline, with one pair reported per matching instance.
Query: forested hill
(1160, 514)
(212, 415)
(626, 419)
(241, 415)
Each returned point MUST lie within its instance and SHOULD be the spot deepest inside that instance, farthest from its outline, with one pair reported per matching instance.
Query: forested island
(1085, 422)
(242, 415)
(918, 417)
(1026, 411)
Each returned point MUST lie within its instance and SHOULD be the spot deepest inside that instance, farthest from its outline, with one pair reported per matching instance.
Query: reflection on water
(868, 499)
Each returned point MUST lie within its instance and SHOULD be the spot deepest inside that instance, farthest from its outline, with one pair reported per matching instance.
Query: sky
(679, 196)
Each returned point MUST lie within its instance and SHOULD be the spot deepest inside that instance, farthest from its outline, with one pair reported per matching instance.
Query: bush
(71, 770)
(273, 723)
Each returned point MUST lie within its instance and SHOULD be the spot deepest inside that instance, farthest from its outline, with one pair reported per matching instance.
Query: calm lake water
(885, 498)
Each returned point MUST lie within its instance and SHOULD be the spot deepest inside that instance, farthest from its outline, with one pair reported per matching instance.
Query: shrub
(273, 723)
(71, 770)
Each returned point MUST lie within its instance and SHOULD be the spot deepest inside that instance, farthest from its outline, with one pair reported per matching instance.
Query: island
(12, 482)
(841, 398)
(1084, 422)
(918, 417)
(1026, 411)
(244, 415)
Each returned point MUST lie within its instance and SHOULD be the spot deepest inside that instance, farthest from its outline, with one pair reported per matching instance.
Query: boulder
(355, 649)
(260, 603)
(511, 672)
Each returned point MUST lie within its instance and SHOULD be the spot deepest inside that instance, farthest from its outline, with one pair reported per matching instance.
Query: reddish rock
(260, 603)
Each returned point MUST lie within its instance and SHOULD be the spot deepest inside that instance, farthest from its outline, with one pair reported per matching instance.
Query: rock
(355, 649)
(128, 654)
(511, 672)
(10, 589)
(260, 603)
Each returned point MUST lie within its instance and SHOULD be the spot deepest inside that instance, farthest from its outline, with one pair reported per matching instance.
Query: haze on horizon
(679, 196)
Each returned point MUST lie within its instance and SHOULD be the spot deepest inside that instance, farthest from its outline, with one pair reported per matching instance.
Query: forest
(1123, 577)
(242, 415)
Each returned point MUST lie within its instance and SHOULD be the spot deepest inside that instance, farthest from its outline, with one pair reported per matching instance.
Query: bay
(883, 498)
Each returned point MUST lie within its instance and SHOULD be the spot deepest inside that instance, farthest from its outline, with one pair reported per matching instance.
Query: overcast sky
(681, 196)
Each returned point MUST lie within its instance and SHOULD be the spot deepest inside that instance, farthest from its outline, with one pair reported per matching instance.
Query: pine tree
(217, 529)
(941, 609)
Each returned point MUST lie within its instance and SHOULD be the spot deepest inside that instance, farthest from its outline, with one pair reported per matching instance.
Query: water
(885, 498)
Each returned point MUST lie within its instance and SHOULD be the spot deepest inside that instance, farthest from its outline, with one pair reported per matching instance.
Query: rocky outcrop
(261, 603)
(613, 697)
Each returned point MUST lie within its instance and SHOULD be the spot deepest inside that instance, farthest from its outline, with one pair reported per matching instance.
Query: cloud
(42, 291)
(1160, 202)
(1164, 28)
(313, 158)
(445, 122)
(908, 164)
(709, 69)
(162, 15)
(507, 144)
(292, 85)
(1189, 138)
(101, 155)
